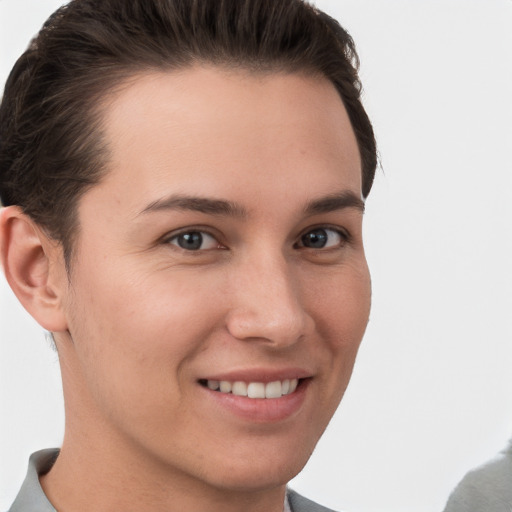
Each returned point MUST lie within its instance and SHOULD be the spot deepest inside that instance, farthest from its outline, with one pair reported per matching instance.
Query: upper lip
(263, 375)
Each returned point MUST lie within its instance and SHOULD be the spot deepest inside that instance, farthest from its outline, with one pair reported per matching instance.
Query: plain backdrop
(431, 394)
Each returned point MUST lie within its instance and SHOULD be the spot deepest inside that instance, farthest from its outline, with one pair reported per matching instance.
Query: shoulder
(487, 487)
(300, 504)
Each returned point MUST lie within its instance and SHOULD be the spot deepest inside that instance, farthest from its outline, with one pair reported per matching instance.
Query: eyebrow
(197, 204)
(333, 202)
(209, 206)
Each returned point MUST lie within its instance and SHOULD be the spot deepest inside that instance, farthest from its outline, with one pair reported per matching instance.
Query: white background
(431, 395)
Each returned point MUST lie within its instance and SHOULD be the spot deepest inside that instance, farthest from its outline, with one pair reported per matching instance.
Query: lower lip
(261, 410)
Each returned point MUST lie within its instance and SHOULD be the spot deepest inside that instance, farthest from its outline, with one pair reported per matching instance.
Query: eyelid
(168, 237)
(341, 231)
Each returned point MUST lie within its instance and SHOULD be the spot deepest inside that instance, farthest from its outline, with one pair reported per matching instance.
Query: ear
(34, 268)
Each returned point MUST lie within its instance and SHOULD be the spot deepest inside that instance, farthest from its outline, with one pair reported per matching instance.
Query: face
(221, 256)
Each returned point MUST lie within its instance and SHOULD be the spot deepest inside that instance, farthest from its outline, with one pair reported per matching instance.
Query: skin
(140, 320)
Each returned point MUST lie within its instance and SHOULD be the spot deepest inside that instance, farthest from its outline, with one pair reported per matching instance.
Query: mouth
(257, 396)
(255, 390)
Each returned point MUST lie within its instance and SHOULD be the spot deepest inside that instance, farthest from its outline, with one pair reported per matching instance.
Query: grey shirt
(487, 488)
(31, 497)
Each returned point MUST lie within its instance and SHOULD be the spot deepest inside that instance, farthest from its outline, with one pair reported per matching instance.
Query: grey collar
(31, 497)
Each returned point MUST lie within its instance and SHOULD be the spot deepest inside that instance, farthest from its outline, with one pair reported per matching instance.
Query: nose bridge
(268, 302)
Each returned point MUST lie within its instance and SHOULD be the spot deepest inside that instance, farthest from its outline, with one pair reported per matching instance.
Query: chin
(258, 473)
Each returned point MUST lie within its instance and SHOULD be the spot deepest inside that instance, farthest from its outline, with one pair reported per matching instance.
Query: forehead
(221, 126)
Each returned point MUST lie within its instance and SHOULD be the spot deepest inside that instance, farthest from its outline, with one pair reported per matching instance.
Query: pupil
(315, 239)
(191, 241)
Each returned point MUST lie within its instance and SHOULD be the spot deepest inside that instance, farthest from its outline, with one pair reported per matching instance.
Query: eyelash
(189, 231)
(342, 234)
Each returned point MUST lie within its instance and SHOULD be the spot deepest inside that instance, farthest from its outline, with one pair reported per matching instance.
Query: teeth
(239, 389)
(274, 389)
(225, 386)
(256, 390)
(213, 384)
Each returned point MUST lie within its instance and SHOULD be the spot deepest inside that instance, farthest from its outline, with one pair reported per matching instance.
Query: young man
(183, 185)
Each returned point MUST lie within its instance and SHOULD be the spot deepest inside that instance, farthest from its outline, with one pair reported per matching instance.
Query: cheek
(147, 311)
(144, 331)
(342, 305)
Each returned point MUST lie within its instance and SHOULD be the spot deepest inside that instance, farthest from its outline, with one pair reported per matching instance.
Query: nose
(268, 303)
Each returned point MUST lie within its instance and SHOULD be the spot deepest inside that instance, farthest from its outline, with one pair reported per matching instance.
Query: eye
(322, 238)
(194, 241)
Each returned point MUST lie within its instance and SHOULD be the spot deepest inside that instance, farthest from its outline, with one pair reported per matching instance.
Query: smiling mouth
(275, 389)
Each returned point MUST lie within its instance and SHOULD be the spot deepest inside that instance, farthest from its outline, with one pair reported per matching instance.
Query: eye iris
(316, 239)
(191, 241)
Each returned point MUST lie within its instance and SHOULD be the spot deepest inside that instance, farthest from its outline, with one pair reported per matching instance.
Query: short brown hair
(51, 145)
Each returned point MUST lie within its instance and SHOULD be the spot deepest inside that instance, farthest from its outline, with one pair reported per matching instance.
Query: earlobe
(32, 268)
